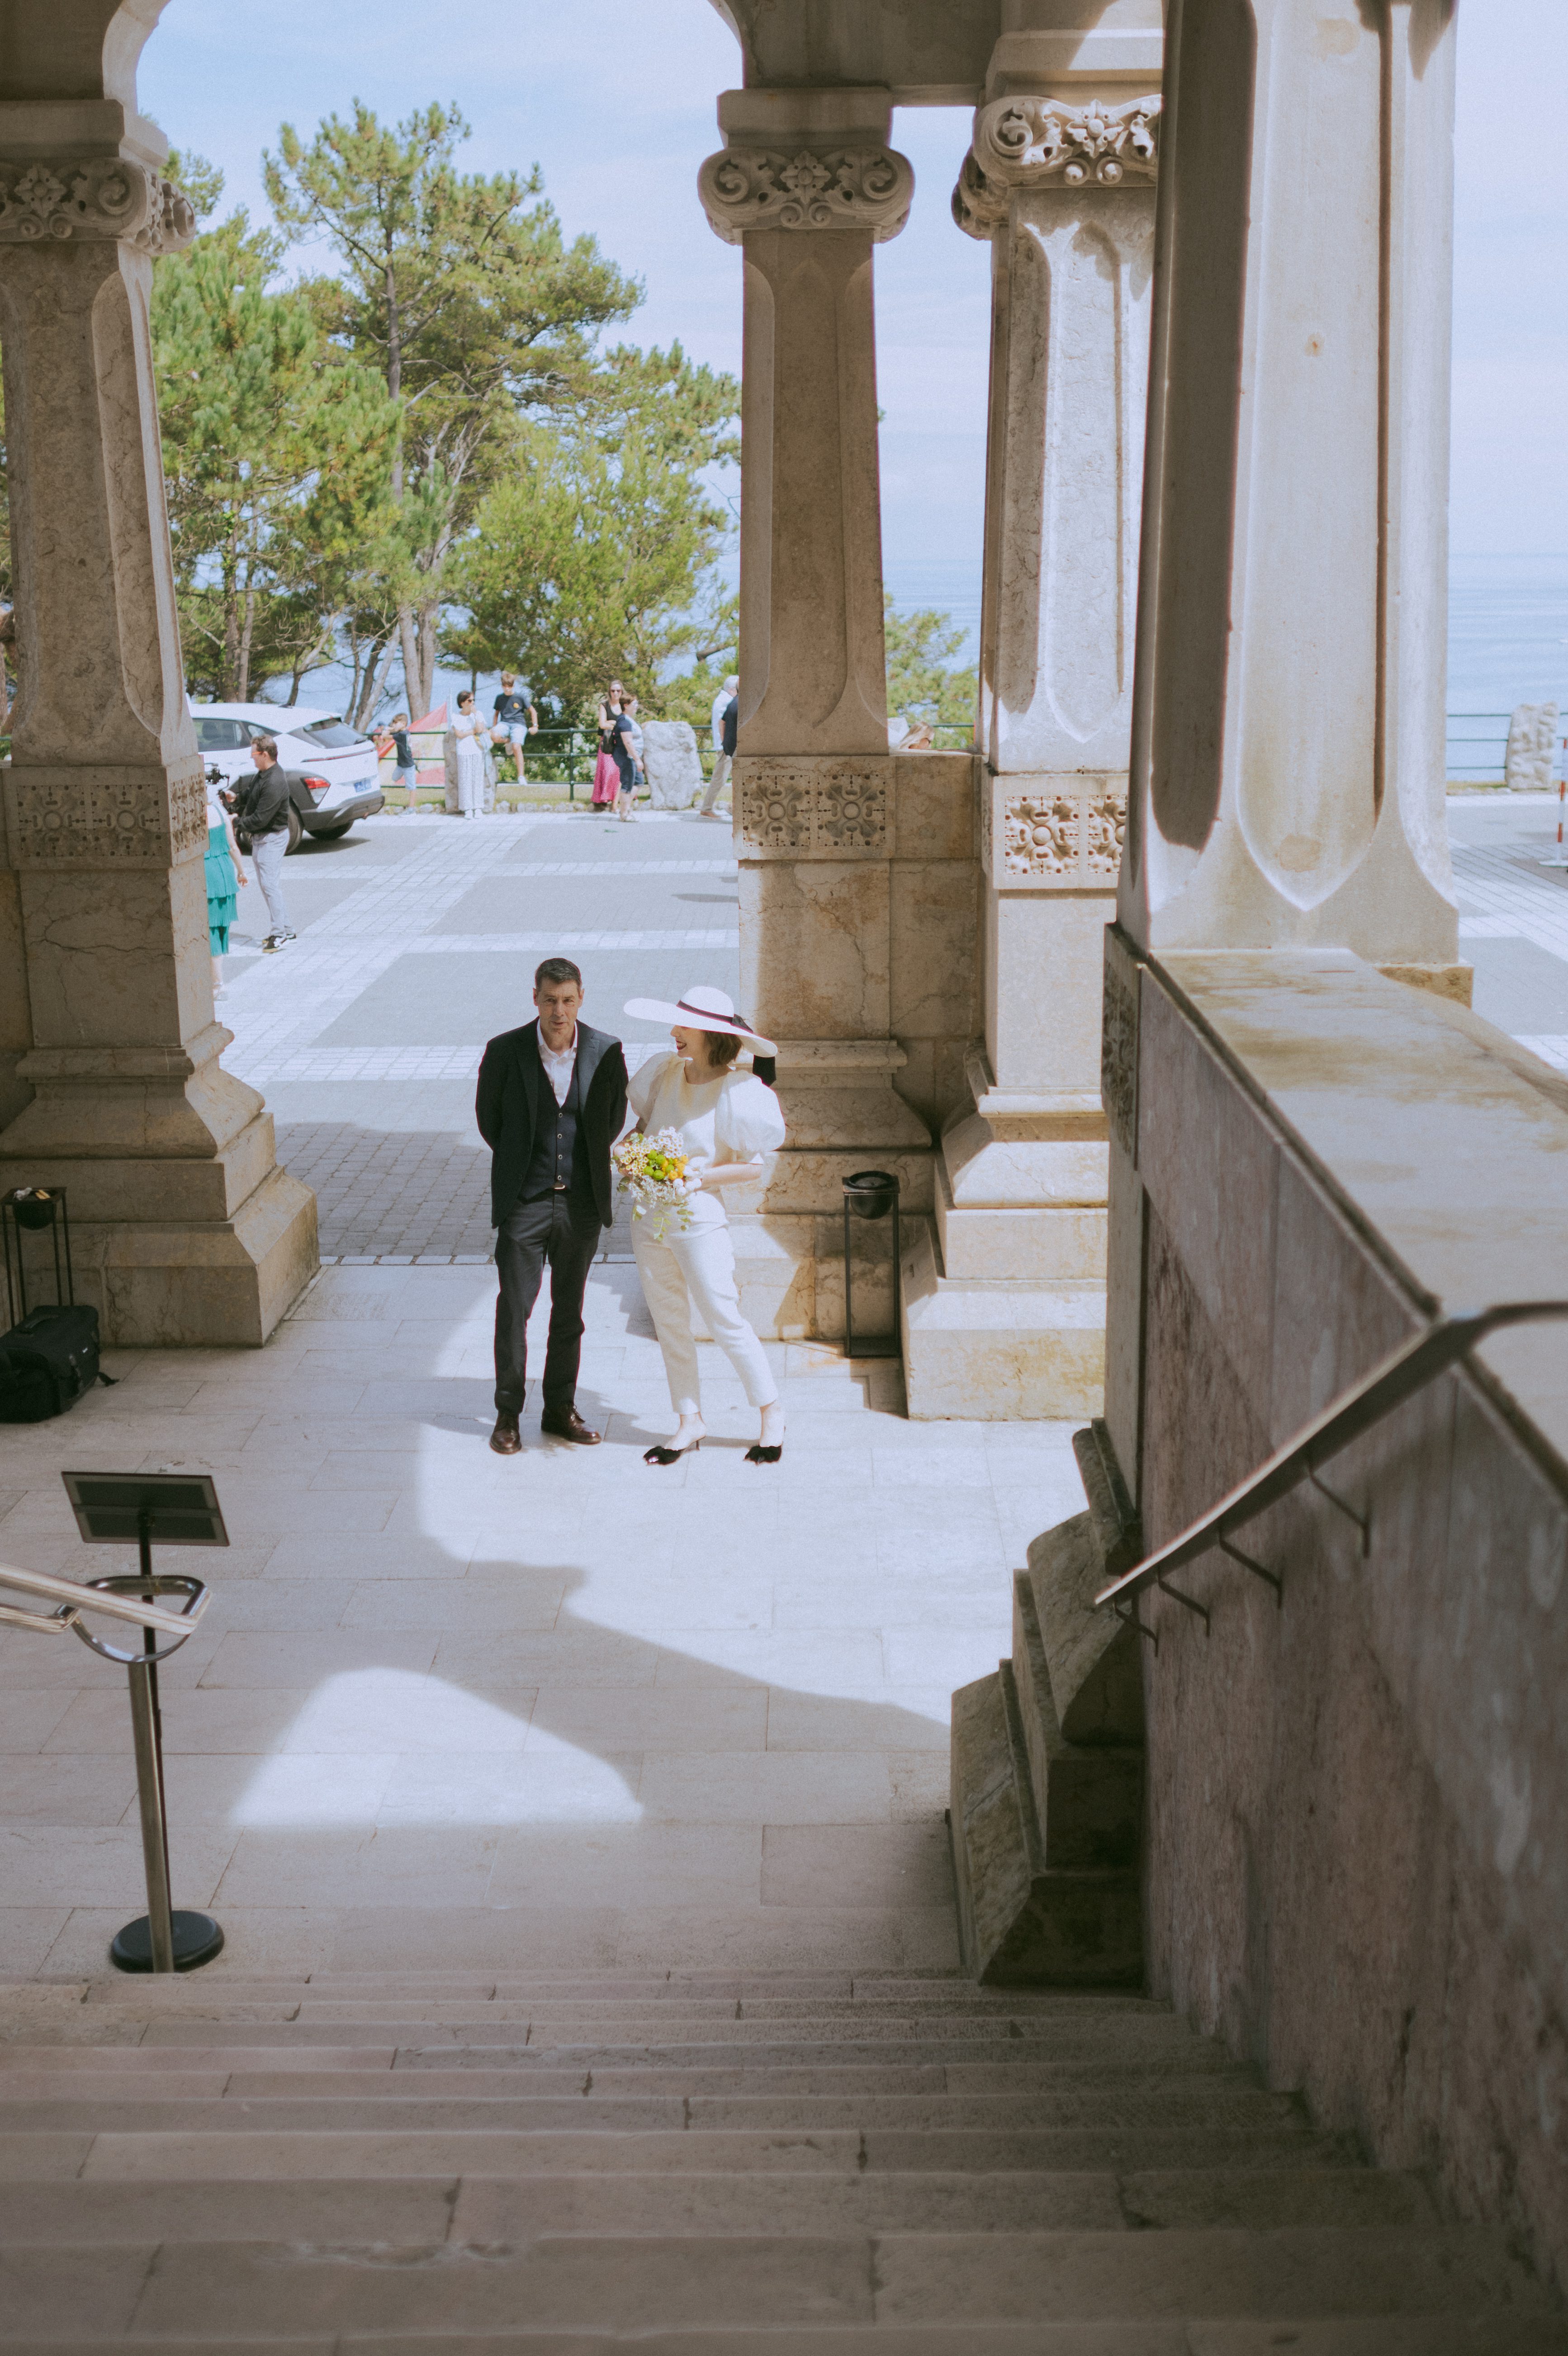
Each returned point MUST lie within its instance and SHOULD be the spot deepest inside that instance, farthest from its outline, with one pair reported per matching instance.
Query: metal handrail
(74, 1600)
(1393, 1380)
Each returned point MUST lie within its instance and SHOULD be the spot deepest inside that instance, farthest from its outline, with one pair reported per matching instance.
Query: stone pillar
(1060, 181)
(1287, 769)
(185, 1228)
(806, 186)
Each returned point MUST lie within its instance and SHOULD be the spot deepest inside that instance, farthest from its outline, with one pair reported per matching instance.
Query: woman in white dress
(726, 1120)
(468, 737)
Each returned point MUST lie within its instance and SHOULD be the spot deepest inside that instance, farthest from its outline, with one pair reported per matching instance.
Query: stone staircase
(789, 2166)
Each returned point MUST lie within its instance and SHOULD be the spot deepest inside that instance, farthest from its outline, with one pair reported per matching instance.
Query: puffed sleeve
(642, 1086)
(749, 1120)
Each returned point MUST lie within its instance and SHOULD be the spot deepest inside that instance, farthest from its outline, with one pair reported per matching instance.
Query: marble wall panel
(935, 805)
(934, 922)
(814, 949)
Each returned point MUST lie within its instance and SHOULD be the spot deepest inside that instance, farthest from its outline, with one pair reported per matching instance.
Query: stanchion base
(197, 1939)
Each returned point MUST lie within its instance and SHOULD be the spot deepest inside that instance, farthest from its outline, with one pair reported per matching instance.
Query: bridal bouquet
(652, 1170)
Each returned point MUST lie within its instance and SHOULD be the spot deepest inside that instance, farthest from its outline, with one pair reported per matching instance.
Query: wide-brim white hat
(702, 1009)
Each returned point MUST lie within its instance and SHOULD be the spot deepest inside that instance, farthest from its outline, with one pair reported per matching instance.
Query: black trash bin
(872, 1195)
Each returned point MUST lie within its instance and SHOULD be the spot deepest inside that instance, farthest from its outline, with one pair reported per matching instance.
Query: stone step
(603, 2283)
(1478, 2334)
(1202, 2102)
(966, 2039)
(488, 2211)
(258, 2154)
(572, 1987)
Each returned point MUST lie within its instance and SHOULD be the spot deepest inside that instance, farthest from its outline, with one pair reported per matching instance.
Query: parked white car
(338, 764)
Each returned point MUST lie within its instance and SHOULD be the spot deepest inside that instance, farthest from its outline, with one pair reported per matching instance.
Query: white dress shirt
(559, 1065)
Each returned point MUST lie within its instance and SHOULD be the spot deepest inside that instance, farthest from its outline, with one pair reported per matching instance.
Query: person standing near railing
(726, 724)
(515, 719)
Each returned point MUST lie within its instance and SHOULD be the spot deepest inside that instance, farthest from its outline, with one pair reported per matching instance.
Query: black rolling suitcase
(49, 1358)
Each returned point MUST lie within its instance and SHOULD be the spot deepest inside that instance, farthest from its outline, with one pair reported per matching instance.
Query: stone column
(1287, 768)
(1060, 181)
(185, 1228)
(806, 186)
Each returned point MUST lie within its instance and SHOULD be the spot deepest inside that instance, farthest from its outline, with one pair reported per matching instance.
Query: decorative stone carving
(747, 188)
(823, 809)
(979, 207)
(1026, 142)
(1059, 835)
(99, 197)
(70, 818)
(1027, 139)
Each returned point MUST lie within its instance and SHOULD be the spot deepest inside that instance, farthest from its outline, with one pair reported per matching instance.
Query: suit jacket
(514, 1085)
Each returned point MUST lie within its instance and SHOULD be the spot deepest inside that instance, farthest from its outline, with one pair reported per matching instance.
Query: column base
(184, 1230)
(1004, 1304)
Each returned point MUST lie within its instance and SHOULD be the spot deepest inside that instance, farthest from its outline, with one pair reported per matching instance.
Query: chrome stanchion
(178, 1509)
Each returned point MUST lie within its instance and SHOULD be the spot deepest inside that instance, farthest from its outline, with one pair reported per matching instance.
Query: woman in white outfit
(468, 739)
(726, 1120)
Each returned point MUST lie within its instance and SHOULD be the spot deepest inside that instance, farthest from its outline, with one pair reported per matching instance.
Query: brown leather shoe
(565, 1423)
(507, 1440)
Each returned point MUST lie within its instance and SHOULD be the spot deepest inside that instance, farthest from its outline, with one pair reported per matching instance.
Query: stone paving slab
(563, 1712)
(417, 942)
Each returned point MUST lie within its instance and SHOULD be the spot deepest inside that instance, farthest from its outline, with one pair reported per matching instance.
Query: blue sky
(614, 100)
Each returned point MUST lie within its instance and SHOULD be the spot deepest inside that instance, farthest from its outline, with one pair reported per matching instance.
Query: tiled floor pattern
(418, 941)
(451, 1710)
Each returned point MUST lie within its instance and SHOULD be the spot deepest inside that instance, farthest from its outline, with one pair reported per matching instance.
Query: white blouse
(731, 1117)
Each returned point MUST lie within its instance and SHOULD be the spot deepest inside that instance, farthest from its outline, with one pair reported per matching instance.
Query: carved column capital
(1032, 143)
(95, 197)
(809, 188)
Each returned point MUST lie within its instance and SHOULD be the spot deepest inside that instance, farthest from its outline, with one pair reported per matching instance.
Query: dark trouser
(567, 1234)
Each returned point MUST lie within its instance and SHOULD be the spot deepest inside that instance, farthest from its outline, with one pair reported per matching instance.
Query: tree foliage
(275, 455)
(923, 683)
(595, 555)
(463, 293)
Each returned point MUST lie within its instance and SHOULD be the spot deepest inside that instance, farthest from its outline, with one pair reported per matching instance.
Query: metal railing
(110, 1509)
(1396, 1378)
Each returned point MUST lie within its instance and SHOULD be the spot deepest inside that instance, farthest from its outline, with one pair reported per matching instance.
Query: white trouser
(267, 855)
(717, 782)
(698, 1264)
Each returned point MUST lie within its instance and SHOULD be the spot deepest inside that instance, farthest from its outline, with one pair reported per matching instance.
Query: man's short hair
(508, 678)
(556, 969)
(268, 745)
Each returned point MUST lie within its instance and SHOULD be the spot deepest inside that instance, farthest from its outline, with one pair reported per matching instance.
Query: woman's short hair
(466, 697)
(722, 1048)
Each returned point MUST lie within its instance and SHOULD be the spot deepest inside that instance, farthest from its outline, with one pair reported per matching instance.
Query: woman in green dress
(224, 877)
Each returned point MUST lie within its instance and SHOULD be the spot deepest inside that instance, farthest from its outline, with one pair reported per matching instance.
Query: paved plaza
(418, 937)
(447, 1709)
(451, 1710)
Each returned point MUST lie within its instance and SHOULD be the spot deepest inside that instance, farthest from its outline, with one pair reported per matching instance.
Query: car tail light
(317, 786)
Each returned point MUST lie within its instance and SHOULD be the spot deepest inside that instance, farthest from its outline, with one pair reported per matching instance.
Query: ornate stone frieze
(97, 196)
(73, 818)
(812, 809)
(979, 207)
(1022, 143)
(1031, 139)
(833, 187)
(1065, 836)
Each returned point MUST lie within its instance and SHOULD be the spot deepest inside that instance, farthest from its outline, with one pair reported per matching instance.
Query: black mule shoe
(670, 1455)
(760, 1455)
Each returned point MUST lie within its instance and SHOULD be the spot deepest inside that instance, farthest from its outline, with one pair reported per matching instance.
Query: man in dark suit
(553, 1100)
